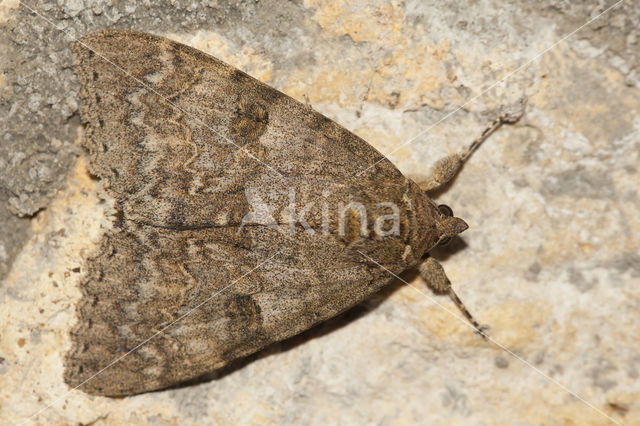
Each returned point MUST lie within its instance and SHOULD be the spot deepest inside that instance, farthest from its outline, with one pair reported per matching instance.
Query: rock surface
(551, 261)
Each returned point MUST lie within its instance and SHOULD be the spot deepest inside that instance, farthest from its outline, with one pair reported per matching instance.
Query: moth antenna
(434, 274)
(446, 168)
(508, 116)
(480, 329)
(495, 125)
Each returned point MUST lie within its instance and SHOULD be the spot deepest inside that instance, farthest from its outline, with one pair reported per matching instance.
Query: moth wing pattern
(180, 286)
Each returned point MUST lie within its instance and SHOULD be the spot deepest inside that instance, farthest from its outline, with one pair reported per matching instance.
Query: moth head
(449, 226)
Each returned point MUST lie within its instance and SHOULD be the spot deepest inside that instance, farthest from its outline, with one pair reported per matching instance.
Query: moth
(197, 156)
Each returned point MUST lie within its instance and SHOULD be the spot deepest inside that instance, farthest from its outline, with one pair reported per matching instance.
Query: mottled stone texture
(550, 261)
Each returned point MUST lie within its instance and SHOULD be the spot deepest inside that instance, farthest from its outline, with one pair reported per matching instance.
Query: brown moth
(183, 283)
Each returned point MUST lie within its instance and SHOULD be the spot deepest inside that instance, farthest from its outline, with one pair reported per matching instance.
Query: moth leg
(432, 272)
(307, 101)
(446, 168)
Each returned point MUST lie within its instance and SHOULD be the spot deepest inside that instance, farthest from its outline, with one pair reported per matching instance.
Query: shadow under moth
(206, 261)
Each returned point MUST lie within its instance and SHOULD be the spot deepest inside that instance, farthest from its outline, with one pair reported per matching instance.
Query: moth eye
(445, 210)
(444, 242)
